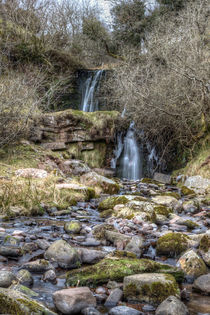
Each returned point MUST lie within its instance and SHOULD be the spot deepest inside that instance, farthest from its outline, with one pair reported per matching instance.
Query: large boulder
(202, 284)
(197, 183)
(6, 278)
(192, 264)
(103, 184)
(13, 302)
(172, 306)
(73, 301)
(64, 254)
(149, 287)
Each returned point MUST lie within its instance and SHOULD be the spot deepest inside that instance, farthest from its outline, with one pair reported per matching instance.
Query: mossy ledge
(14, 303)
(116, 268)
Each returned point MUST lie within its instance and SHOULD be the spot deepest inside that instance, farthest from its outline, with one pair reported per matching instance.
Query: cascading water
(89, 101)
(129, 156)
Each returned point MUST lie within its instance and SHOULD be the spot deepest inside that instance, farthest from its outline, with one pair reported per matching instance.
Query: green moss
(99, 230)
(187, 191)
(205, 244)
(150, 181)
(191, 224)
(171, 194)
(111, 202)
(172, 244)
(106, 213)
(163, 210)
(112, 269)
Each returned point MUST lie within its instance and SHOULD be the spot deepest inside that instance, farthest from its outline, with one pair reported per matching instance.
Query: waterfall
(128, 154)
(89, 101)
(153, 159)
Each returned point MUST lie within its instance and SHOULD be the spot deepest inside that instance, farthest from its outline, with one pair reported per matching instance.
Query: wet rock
(11, 241)
(39, 265)
(115, 237)
(124, 310)
(14, 302)
(42, 244)
(114, 298)
(64, 254)
(6, 278)
(25, 290)
(100, 290)
(106, 185)
(31, 173)
(189, 206)
(204, 248)
(135, 246)
(192, 264)
(73, 227)
(91, 242)
(111, 202)
(162, 178)
(50, 276)
(90, 256)
(115, 269)
(202, 284)
(25, 278)
(150, 287)
(172, 244)
(29, 247)
(113, 285)
(9, 251)
(168, 201)
(90, 311)
(187, 191)
(172, 306)
(77, 167)
(73, 301)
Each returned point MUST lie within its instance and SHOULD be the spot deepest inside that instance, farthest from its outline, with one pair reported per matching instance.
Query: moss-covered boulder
(150, 287)
(100, 183)
(15, 303)
(162, 210)
(112, 201)
(165, 200)
(204, 248)
(192, 264)
(99, 230)
(115, 269)
(172, 244)
(187, 191)
(73, 227)
(86, 192)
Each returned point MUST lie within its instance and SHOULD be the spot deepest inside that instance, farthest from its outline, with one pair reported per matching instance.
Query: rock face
(172, 306)
(13, 302)
(84, 136)
(197, 183)
(62, 253)
(149, 287)
(73, 301)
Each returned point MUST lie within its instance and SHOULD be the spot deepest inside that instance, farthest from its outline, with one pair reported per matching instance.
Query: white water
(89, 101)
(153, 159)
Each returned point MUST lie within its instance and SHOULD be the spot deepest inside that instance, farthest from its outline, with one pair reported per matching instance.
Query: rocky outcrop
(85, 136)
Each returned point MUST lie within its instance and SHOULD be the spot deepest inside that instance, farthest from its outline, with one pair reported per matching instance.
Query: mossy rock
(150, 288)
(192, 264)
(151, 181)
(115, 269)
(190, 224)
(73, 227)
(172, 244)
(15, 303)
(100, 230)
(106, 213)
(163, 210)
(112, 201)
(205, 244)
(187, 191)
(171, 194)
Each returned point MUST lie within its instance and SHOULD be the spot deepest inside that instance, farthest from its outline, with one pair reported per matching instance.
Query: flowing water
(89, 100)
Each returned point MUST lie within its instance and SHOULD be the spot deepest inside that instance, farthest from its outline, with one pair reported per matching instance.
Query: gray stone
(90, 256)
(6, 278)
(73, 301)
(114, 297)
(162, 178)
(50, 276)
(10, 251)
(172, 306)
(25, 278)
(192, 264)
(135, 246)
(90, 311)
(39, 265)
(43, 244)
(124, 310)
(62, 253)
(197, 183)
(202, 284)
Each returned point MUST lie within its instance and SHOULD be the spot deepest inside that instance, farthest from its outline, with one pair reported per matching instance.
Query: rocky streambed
(143, 251)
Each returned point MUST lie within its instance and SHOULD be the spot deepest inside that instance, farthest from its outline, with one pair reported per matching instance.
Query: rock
(204, 248)
(25, 278)
(88, 192)
(197, 183)
(42, 244)
(10, 241)
(114, 298)
(149, 287)
(100, 230)
(172, 306)
(192, 264)
(39, 265)
(115, 269)
(10, 251)
(73, 301)
(124, 310)
(162, 178)
(90, 256)
(62, 253)
(25, 290)
(135, 246)
(172, 244)
(6, 278)
(202, 284)
(50, 276)
(104, 184)
(54, 146)
(90, 311)
(73, 227)
(77, 167)
(112, 201)
(31, 173)
(115, 237)
(187, 191)
(168, 201)
(13, 302)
